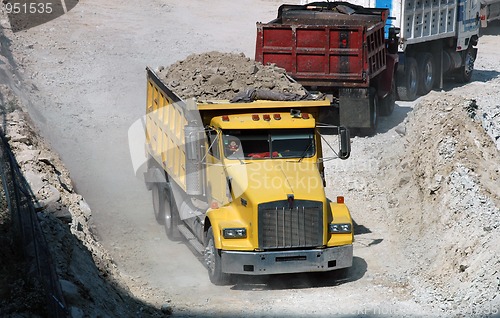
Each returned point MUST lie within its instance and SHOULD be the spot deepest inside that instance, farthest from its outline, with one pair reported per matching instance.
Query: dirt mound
(447, 205)
(216, 75)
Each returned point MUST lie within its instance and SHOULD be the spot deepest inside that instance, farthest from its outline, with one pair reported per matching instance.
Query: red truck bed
(332, 44)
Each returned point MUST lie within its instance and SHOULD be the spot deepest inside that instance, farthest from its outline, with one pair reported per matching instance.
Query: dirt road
(87, 74)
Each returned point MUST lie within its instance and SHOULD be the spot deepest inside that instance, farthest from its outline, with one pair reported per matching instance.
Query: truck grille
(283, 227)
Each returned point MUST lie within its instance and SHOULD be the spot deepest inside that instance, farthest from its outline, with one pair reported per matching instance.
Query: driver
(233, 149)
(233, 146)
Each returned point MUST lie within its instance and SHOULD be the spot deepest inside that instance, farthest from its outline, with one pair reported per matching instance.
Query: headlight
(339, 228)
(234, 233)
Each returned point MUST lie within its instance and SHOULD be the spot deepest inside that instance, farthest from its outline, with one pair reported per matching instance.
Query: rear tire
(428, 75)
(213, 261)
(171, 218)
(408, 80)
(158, 197)
(388, 102)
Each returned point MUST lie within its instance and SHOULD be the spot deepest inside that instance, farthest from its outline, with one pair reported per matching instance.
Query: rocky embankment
(91, 284)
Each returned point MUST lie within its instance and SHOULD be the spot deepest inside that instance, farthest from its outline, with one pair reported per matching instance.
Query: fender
(228, 217)
(340, 214)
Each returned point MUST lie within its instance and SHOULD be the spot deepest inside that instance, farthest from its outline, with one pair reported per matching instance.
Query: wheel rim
(210, 256)
(469, 64)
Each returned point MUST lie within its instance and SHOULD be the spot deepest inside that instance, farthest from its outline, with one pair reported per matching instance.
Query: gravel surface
(423, 191)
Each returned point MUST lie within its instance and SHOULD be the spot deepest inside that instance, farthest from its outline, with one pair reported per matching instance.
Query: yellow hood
(270, 180)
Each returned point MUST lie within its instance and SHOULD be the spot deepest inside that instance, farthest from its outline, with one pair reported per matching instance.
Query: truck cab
(268, 209)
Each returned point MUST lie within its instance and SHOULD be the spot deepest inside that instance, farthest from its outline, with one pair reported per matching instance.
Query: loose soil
(223, 76)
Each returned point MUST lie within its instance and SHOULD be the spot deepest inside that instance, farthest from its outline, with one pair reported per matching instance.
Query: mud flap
(354, 108)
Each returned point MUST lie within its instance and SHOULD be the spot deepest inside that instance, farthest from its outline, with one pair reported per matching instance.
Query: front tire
(465, 72)
(213, 261)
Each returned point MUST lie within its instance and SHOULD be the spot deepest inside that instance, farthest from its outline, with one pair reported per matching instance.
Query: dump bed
(325, 43)
(166, 117)
(172, 123)
(421, 21)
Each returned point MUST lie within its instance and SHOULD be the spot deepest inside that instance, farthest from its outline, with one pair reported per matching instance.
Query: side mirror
(344, 143)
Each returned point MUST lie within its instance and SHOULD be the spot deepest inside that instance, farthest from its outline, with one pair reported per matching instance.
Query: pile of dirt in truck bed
(217, 75)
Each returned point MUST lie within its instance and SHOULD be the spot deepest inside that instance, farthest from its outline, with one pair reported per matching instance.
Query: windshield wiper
(305, 151)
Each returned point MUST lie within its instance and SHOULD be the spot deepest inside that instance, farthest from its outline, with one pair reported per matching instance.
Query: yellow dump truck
(244, 183)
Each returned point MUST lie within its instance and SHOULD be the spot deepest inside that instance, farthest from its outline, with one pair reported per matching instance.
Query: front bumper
(283, 262)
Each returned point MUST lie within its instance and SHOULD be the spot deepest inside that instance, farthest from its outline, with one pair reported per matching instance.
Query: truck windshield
(260, 143)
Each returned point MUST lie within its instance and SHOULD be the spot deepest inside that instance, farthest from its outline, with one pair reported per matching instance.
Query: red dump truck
(339, 49)
(365, 57)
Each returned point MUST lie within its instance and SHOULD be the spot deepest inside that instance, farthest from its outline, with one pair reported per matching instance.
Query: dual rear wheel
(166, 213)
(165, 209)
(417, 77)
(427, 74)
